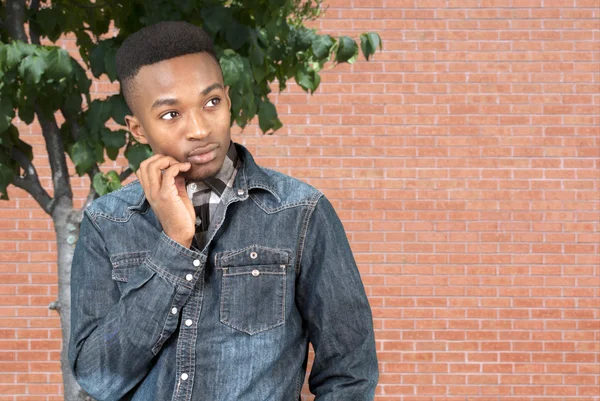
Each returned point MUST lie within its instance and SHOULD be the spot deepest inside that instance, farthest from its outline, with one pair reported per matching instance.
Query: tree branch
(71, 120)
(125, 173)
(56, 156)
(15, 20)
(35, 37)
(30, 181)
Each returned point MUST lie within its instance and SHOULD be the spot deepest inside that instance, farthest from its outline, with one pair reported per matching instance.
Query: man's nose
(198, 127)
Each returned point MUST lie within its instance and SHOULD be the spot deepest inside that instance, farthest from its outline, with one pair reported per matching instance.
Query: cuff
(175, 262)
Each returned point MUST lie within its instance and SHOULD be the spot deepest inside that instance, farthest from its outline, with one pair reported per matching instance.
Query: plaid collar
(206, 194)
(219, 182)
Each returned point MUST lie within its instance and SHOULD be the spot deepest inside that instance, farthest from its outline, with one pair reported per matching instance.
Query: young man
(207, 277)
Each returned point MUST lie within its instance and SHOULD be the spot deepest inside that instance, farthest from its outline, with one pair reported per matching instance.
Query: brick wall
(464, 161)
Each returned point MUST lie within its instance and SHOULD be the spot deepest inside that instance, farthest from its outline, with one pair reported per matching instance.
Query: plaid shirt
(206, 194)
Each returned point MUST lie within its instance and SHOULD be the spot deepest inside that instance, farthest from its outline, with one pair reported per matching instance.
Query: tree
(257, 42)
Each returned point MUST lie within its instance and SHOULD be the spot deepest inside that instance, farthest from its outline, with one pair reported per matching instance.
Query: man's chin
(199, 172)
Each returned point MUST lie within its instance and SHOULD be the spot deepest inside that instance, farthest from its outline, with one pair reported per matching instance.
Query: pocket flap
(254, 255)
(124, 263)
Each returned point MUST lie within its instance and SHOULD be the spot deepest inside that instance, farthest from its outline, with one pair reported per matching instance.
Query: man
(207, 277)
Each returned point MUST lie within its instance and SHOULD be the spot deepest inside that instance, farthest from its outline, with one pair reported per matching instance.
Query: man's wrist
(186, 242)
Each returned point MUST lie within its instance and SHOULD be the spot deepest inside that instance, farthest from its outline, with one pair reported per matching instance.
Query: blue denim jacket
(154, 320)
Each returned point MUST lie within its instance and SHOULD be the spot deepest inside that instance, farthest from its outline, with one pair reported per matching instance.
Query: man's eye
(213, 102)
(170, 115)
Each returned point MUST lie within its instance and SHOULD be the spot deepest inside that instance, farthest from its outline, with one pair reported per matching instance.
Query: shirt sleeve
(114, 336)
(332, 300)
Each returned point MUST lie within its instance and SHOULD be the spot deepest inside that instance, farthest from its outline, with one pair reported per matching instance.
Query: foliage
(258, 42)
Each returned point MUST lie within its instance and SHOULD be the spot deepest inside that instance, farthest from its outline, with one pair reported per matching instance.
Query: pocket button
(255, 272)
(253, 255)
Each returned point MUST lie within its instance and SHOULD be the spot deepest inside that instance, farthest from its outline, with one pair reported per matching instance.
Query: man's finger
(168, 178)
(153, 172)
(142, 172)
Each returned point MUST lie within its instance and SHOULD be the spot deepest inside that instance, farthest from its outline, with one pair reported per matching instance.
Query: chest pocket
(253, 288)
(124, 264)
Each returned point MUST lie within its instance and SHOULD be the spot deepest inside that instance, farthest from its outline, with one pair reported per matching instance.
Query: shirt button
(174, 310)
(253, 255)
(193, 186)
(189, 277)
(196, 262)
(240, 192)
(188, 322)
(255, 272)
(184, 376)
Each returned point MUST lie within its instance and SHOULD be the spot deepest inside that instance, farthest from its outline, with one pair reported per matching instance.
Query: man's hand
(166, 193)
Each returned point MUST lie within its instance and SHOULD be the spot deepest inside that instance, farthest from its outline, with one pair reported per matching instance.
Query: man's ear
(134, 126)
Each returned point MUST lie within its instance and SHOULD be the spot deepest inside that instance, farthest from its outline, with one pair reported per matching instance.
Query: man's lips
(203, 149)
(203, 154)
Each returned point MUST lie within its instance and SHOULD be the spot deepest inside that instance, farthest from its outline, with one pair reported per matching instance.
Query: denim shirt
(154, 320)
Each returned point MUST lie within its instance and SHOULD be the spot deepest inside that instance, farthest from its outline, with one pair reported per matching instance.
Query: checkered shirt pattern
(206, 194)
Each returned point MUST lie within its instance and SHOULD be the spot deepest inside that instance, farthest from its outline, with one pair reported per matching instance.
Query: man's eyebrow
(166, 101)
(171, 101)
(210, 88)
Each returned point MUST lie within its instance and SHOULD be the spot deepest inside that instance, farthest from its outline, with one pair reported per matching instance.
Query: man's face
(181, 110)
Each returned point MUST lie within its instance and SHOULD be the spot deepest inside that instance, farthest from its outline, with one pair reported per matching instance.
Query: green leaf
(112, 153)
(82, 154)
(7, 112)
(308, 79)
(3, 52)
(369, 43)
(83, 82)
(375, 40)
(256, 55)
(232, 67)
(215, 18)
(106, 183)
(236, 34)
(98, 152)
(49, 21)
(7, 176)
(119, 109)
(303, 38)
(9, 137)
(321, 46)
(347, 49)
(114, 182)
(110, 66)
(73, 103)
(26, 113)
(113, 139)
(100, 183)
(31, 69)
(97, 59)
(267, 117)
(136, 154)
(14, 54)
(97, 115)
(58, 64)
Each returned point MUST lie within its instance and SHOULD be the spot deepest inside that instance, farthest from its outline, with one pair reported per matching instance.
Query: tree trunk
(66, 227)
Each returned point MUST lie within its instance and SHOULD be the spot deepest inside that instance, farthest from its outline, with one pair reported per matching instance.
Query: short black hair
(158, 42)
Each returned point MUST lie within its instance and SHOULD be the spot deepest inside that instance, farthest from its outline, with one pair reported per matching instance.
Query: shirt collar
(249, 176)
(219, 181)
